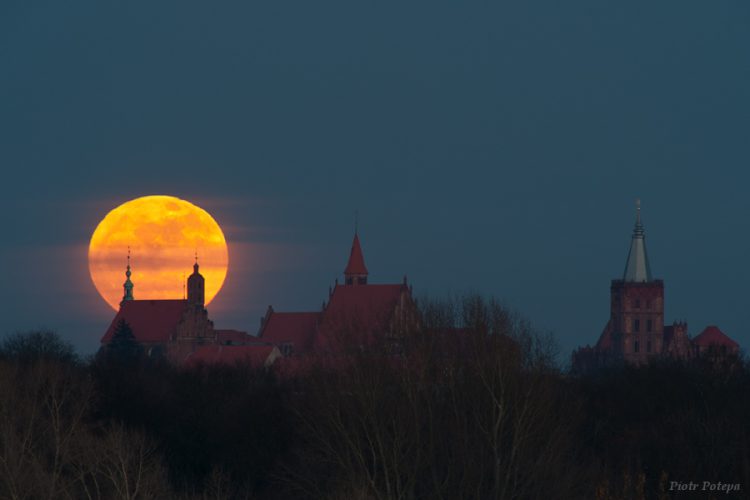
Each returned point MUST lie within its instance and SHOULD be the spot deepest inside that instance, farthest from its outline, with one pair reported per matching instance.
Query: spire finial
(128, 285)
(356, 221)
(638, 230)
(637, 210)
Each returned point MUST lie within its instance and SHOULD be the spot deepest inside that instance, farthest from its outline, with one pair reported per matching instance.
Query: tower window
(637, 325)
(649, 325)
(648, 346)
(635, 346)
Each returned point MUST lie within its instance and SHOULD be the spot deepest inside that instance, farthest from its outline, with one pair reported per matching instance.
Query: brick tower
(637, 305)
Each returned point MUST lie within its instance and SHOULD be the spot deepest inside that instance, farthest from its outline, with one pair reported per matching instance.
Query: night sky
(489, 147)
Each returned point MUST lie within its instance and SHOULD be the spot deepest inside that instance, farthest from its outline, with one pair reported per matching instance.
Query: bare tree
(36, 345)
(469, 406)
(42, 407)
(122, 464)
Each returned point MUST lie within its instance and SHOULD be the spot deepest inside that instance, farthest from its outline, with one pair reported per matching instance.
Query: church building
(356, 313)
(180, 330)
(635, 331)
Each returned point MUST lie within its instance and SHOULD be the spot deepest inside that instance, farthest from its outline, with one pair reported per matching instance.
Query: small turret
(196, 286)
(356, 271)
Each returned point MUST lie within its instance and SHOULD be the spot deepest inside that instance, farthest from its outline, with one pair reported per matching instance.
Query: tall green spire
(637, 268)
(128, 285)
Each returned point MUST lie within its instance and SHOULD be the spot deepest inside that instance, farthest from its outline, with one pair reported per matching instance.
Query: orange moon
(163, 233)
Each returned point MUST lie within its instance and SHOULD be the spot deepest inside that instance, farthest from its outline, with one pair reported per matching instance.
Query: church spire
(128, 285)
(356, 271)
(637, 268)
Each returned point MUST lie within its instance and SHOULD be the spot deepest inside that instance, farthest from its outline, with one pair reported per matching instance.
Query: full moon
(164, 234)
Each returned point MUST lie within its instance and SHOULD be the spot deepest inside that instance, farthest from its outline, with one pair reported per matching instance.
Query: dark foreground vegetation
(446, 413)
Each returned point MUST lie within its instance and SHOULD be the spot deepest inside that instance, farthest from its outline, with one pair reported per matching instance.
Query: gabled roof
(255, 355)
(366, 308)
(637, 268)
(297, 328)
(713, 336)
(356, 264)
(150, 320)
(224, 336)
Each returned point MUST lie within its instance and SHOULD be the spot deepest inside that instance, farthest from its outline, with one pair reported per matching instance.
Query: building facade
(355, 313)
(180, 330)
(636, 332)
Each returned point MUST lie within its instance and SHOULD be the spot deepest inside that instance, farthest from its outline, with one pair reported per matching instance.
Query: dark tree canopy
(36, 345)
(469, 405)
(123, 345)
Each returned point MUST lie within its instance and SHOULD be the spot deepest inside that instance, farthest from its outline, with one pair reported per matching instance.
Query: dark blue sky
(489, 147)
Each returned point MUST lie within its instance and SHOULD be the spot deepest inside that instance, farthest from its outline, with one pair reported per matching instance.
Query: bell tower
(637, 304)
(196, 286)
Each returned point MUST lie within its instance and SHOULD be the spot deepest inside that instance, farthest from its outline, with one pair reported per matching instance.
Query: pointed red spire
(355, 268)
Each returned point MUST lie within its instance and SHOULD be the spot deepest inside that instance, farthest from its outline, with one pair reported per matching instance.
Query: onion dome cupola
(128, 285)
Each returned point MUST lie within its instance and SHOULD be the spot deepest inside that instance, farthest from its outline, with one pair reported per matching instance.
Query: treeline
(468, 405)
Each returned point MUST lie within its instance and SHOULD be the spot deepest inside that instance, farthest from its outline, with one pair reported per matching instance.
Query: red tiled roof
(224, 336)
(150, 320)
(713, 336)
(360, 309)
(255, 355)
(356, 264)
(297, 328)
